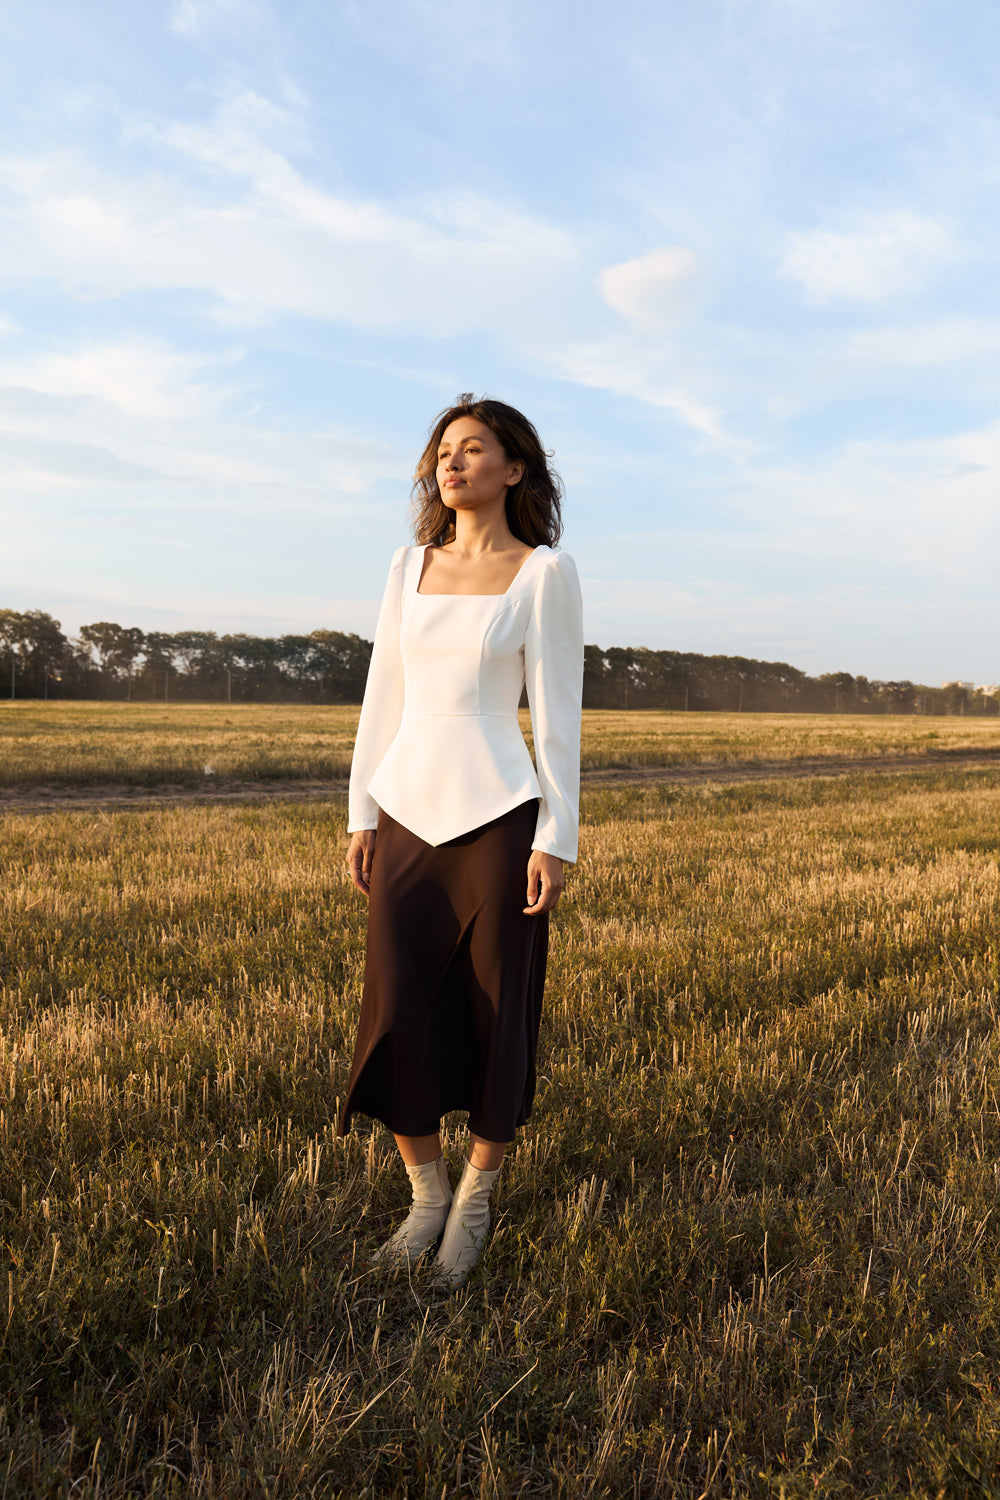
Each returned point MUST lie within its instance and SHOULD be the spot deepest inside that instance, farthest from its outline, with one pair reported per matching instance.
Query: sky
(736, 259)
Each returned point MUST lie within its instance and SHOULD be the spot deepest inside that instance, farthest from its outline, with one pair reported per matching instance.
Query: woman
(457, 839)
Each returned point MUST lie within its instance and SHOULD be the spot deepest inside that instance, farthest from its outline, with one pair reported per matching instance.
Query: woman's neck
(479, 531)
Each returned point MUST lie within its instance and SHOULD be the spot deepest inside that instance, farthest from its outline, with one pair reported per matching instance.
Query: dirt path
(57, 798)
(53, 797)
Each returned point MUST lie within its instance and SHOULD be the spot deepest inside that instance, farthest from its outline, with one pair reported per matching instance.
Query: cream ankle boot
(426, 1219)
(467, 1227)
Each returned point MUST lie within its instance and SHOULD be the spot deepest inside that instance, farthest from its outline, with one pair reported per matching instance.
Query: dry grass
(671, 739)
(142, 744)
(747, 1246)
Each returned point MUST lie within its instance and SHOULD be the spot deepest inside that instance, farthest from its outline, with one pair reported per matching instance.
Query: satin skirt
(454, 978)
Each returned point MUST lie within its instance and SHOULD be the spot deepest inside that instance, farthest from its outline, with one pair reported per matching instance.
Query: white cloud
(944, 342)
(28, 461)
(266, 242)
(883, 256)
(243, 135)
(653, 290)
(191, 18)
(880, 562)
(618, 367)
(138, 411)
(922, 511)
(137, 378)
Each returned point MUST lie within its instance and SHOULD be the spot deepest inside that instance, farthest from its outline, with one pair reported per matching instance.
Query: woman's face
(472, 467)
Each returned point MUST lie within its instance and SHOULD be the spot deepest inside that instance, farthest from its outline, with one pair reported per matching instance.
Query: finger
(536, 895)
(355, 866)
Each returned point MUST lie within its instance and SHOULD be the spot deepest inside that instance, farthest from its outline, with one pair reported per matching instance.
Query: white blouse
(439, 746)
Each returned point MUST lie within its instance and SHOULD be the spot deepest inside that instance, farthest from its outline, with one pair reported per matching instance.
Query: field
(144, 745)
(748, 1244)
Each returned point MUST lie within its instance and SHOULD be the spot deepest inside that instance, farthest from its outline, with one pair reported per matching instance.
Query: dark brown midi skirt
(453, 981)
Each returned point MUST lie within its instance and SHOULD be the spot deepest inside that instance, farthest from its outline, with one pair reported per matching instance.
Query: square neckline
(423, 551)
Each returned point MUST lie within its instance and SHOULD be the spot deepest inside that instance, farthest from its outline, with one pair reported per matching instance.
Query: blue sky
(737, 259)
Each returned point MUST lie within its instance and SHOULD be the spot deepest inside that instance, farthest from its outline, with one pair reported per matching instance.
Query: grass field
(142, 744)
(748, 1244)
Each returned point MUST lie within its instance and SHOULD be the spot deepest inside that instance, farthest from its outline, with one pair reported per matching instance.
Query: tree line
(107, 660)
(635, 677)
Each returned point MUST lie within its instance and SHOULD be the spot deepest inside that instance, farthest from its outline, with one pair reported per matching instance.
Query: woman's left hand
(545, 882)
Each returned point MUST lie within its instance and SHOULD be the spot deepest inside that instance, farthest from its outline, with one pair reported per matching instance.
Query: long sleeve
(382, 708)
(553, 666)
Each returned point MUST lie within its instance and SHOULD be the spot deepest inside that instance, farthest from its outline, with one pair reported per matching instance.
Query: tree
(11, 630)
(840, 686)
(595, 677)
(194, 651)
(255, 658)
(197, 661)
(342, 664)
(298, 660)
(159, 663)
(117, 648)
(955, 696)
(899, 697)
(43, 650)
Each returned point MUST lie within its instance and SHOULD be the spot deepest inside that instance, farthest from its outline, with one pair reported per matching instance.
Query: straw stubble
(747, 1243)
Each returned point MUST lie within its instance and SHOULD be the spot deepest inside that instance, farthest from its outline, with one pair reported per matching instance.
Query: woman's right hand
(360, 853)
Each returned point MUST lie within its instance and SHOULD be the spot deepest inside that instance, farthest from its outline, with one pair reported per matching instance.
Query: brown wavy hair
(533, 511)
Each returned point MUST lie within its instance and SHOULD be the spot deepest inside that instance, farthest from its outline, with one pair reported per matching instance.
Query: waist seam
(418, 713)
